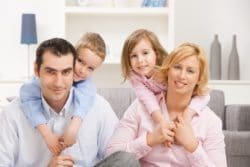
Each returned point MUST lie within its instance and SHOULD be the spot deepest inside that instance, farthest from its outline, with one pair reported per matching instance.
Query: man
(22, 145)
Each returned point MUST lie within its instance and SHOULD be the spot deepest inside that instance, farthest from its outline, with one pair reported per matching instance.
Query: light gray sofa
(235, 118)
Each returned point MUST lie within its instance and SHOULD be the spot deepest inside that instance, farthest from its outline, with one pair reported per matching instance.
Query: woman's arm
(125, 137)
(209, 151)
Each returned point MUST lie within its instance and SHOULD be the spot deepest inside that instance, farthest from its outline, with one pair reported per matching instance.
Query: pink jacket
(146, 90)
(131, 132)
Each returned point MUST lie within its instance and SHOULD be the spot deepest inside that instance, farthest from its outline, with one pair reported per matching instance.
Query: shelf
(116, 10)
(230, 82)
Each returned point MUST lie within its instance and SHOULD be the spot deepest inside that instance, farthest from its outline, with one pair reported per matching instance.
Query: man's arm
(108, 121)
(8, 141)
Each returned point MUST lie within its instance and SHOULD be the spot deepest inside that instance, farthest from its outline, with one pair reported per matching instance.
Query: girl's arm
(31, 102)
(198, 103)
(147, 98)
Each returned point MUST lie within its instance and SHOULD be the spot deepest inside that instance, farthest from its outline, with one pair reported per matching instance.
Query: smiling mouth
(180, 84)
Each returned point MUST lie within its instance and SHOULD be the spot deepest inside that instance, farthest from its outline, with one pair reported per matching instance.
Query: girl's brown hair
(132, 40)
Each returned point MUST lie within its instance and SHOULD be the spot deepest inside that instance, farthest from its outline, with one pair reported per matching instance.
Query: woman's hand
(162, 133)
(61, 161)
(184, 134)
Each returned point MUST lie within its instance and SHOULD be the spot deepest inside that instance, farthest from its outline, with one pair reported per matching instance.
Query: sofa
(235, 118)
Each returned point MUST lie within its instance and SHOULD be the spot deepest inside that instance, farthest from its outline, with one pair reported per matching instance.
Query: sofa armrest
(237, 117)
(237, 143)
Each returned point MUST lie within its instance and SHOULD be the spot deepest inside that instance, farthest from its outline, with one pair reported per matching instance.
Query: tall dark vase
(234, 63)
(215, 59)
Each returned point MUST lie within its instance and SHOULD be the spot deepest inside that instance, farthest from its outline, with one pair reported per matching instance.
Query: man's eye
(67, 72)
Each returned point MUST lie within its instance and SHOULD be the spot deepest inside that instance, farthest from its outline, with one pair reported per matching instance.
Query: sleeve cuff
(197, 156)
(141, 145)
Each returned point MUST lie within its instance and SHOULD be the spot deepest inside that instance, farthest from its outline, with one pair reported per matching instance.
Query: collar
(162, 101)
(49, 112)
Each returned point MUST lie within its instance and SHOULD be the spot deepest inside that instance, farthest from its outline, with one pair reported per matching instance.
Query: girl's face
(86, 63)
(184, 76)
(143, 58)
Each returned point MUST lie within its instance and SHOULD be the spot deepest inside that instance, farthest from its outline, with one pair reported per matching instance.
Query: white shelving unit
(116, 23)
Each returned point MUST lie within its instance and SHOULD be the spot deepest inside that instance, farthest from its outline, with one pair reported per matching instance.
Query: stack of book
(154, 3)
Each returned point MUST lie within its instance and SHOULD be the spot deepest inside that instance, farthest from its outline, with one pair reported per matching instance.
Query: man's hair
(57, 46)
(94, 42)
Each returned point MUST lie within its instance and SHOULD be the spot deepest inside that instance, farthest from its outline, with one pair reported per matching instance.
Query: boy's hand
(50, 138)
(71, 132)
(53, 143)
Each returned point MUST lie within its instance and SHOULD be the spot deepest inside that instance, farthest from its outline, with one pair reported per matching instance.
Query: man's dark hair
(57, 46)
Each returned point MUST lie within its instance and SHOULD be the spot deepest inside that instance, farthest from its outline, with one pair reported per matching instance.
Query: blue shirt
(31, 103)
(22, 145)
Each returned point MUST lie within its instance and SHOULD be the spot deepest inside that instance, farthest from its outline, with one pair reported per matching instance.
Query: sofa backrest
(121, 98)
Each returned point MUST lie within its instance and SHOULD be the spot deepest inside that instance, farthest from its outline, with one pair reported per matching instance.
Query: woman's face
(184, 75)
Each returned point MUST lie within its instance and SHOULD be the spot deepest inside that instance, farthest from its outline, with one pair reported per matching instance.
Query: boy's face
(86, 62)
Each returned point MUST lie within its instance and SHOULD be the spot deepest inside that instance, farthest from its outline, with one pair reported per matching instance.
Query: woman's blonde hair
(181, 52)
(94, 42)
(129, 44)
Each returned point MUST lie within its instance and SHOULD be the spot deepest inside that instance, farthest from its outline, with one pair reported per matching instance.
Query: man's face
(56, 77)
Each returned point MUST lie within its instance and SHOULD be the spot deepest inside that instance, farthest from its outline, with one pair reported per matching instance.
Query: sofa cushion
(119, 98)
(237, 117)
(217, 104)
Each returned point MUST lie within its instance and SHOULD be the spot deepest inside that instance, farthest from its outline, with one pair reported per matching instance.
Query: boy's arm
(198, 103)
(31, 102)
(84, 95)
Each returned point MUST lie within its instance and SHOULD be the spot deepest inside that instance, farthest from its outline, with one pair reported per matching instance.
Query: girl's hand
(188, 114)
(184, 134)
(162, 133)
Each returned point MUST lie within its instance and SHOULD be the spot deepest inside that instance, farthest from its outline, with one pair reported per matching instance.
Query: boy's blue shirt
(84, 93)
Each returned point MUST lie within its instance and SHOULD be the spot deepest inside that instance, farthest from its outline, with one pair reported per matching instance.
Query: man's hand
(61, 161)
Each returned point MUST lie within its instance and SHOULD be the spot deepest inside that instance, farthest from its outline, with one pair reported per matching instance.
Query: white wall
(195, 20)
(50, 23)
(199, 20)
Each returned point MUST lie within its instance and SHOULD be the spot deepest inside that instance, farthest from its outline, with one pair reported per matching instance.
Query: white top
(21, 145)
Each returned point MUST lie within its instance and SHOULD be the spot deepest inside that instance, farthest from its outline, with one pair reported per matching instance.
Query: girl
(142, 56)
(91, 52)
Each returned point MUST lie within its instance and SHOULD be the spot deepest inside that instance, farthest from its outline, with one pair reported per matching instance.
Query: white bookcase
(116, 23)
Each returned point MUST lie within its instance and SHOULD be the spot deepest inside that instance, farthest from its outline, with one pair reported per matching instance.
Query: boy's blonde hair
(132, 40)
(181, 52)
(94, 42)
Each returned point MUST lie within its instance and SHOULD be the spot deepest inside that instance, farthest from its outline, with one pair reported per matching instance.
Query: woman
(197, 141)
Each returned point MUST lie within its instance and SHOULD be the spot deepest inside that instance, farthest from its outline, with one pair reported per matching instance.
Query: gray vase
(215, 59)
(234, 63)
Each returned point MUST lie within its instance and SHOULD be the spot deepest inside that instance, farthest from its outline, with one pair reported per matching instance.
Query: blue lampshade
(28, 35)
